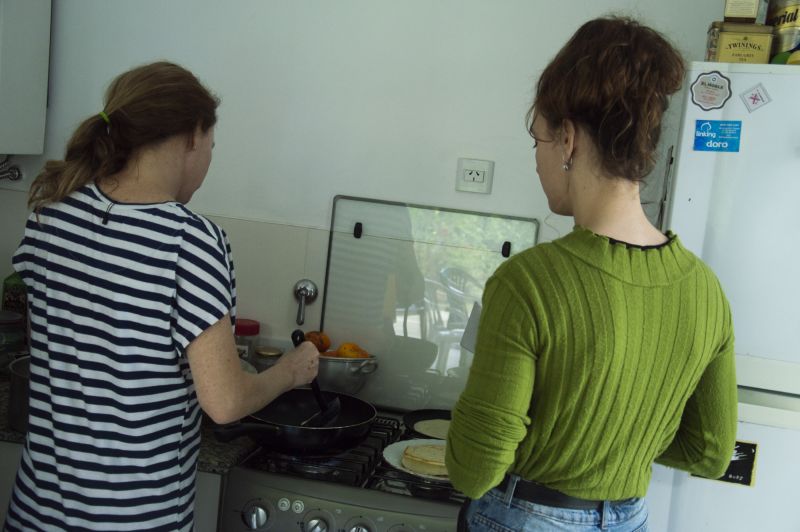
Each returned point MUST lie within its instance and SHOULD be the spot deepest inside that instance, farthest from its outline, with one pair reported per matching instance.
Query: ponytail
(144, 106)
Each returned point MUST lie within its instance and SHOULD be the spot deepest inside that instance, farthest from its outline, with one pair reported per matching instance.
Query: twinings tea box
(746, 11)
(729, 42)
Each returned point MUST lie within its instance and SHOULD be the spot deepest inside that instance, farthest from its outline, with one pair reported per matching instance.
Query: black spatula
(328, 410)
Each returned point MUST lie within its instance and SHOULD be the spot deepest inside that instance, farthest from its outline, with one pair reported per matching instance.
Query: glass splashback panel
(401, 282)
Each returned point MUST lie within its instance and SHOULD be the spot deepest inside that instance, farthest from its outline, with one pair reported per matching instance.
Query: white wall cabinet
(24, 65)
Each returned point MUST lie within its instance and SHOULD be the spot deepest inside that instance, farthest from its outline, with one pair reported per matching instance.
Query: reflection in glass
(404, 288)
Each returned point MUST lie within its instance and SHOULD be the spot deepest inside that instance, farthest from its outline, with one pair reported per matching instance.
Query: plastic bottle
(246, 334)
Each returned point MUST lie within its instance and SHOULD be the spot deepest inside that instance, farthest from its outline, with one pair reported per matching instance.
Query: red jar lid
(246, 327)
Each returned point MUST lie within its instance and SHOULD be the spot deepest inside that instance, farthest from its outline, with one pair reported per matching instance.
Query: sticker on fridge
(742, 467)
(755, 97)
(711, 90)
(717, 135)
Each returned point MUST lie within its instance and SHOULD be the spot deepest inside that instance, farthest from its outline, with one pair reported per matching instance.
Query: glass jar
(246, 335)
(265, 357)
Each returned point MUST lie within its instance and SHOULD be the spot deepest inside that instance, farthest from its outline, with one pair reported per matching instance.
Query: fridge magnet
(711, 90)
(717, 135)
(755, 98)
(742, 468)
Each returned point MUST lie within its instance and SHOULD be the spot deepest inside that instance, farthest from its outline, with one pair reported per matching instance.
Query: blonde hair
(143, 106)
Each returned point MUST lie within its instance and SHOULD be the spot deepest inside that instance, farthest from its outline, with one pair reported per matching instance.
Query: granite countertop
(215, 456)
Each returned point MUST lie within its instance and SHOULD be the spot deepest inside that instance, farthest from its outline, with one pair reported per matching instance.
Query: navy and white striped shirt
(116, 292)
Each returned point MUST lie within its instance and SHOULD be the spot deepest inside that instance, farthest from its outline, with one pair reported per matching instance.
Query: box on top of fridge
(746, 11)
(730, 42)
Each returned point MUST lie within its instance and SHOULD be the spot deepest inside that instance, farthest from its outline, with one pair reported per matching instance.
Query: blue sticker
(717, 135)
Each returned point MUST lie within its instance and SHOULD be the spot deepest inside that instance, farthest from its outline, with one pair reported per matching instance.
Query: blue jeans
(493, 513)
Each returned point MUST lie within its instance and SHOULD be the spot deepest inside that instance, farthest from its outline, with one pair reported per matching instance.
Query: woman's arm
(227, 393)
(705, 439)
(491, 416)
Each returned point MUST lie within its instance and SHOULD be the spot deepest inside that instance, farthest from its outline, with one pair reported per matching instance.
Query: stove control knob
(255, 517)
(359, 528)
(317, 524)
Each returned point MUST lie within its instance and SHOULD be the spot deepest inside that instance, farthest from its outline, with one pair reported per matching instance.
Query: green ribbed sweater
(593, 360)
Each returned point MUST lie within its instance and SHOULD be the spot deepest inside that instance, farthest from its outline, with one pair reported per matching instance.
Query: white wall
(361, 97)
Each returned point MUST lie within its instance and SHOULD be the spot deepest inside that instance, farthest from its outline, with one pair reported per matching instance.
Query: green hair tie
(104, 116)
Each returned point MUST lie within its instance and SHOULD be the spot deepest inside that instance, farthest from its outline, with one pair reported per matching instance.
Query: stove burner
(361, 466)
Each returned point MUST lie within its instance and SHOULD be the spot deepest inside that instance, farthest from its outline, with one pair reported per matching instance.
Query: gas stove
(353, 491)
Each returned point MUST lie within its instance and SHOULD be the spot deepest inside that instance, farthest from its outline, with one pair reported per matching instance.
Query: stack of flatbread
(425, 459)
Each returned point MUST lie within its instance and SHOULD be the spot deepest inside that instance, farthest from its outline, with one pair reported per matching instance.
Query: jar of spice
(246, 335)
(265, 357)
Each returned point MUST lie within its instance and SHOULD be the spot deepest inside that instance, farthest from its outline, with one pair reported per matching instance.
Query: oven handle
(226, 433)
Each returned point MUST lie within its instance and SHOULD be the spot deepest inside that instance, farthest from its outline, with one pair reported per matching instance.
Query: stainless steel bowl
(345, 375)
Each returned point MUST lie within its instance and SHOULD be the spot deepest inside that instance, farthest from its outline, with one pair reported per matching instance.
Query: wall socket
(474, 175)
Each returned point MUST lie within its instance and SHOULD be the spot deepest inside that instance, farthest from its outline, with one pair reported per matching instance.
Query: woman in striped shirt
(132, 299)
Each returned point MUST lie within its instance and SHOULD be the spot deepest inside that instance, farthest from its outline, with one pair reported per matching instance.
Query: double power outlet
(475, 175)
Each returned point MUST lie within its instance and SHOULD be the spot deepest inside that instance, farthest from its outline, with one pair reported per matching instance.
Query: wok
(277, 425)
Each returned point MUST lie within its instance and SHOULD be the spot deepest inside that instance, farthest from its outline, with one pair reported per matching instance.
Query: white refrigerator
(734, 200)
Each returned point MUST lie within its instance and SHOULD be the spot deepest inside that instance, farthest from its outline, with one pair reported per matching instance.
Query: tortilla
(435, 428)
(425, 459)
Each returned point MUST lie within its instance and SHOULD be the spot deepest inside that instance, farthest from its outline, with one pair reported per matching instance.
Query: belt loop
(604, 515)
(510, 488)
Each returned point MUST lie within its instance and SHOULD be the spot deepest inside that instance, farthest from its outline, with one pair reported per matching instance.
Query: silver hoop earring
(567, 164)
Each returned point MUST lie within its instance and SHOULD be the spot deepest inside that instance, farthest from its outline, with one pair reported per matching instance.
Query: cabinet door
(24, 65)
(770, 503)
(9, 461)
(206, 503)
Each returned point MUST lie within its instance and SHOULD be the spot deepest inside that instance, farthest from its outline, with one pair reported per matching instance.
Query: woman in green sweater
(610, 348)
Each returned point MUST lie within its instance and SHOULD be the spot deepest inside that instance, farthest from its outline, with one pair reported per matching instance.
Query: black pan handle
(226, 433)
(297, 338)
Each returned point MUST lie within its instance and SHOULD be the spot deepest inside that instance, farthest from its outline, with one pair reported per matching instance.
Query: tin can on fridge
(784, 17)
(746, 11)
(729, 42)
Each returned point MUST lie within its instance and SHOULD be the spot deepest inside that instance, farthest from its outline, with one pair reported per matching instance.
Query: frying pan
(410, 419)
(277, 425)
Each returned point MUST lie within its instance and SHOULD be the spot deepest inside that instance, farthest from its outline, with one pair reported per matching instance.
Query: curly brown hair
(143, 106)
(613, 78)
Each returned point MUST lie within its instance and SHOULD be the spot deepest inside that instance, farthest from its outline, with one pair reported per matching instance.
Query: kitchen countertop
(215, 457)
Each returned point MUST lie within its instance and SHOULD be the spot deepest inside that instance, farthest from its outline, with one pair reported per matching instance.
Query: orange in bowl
(320, 340)
(351, 350)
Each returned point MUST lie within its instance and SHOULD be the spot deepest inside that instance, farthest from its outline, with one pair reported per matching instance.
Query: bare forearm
(225, 392)
(256, 391)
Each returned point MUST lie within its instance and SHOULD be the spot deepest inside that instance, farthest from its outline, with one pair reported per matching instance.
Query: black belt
(536, 493)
